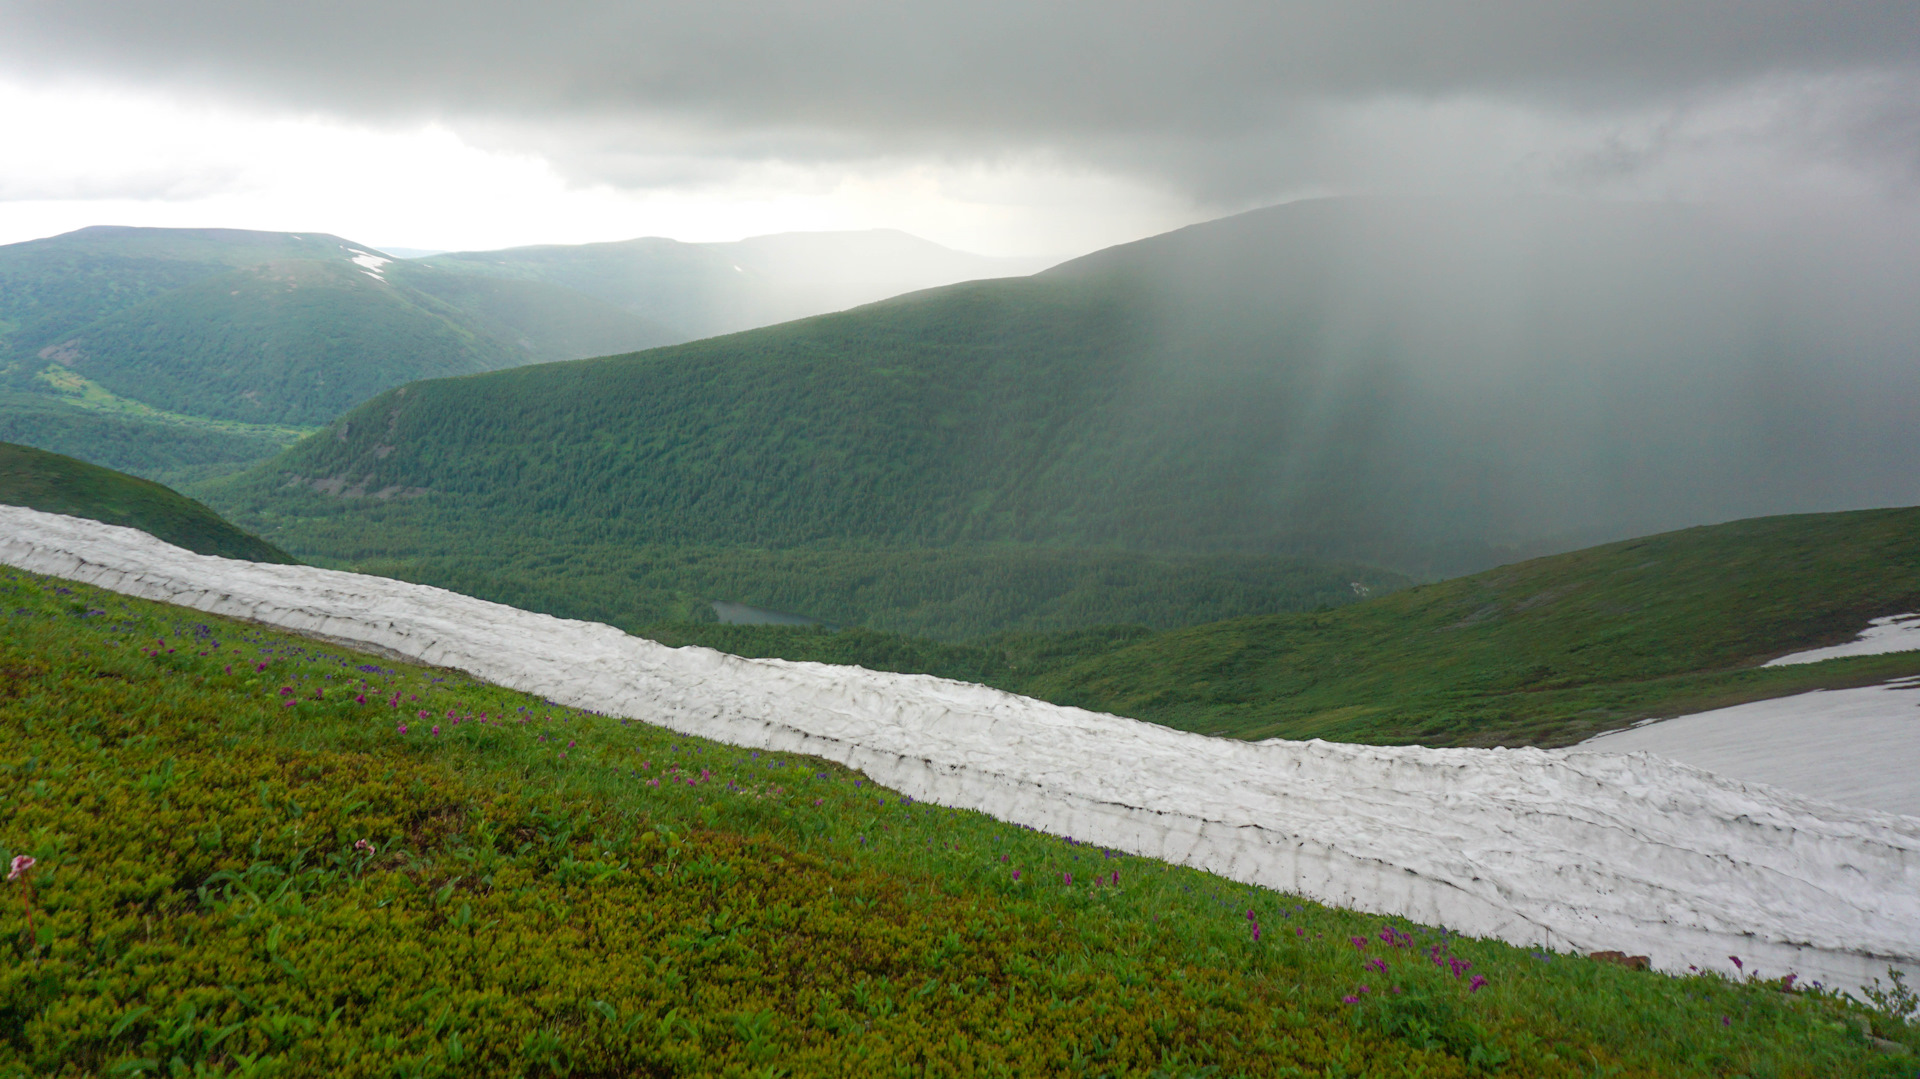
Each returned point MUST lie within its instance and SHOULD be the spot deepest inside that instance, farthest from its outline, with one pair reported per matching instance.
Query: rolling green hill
(53, 483)
(143, 347)
(1430, 387)
(1544, 652)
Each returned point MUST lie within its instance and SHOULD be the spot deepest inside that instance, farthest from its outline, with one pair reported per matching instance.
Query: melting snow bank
(1894, 633)
(1858, 746)
(1563, 849)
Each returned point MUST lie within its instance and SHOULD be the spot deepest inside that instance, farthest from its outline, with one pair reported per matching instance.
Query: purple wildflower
(402, 728)
(436, 728)
(1737, 964)
(1474, 985)
(1067, 878)
(1360, 943)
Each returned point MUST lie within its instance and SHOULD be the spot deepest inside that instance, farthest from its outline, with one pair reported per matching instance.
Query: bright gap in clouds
(81, 156)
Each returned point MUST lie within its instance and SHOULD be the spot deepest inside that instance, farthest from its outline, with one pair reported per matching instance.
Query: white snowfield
(1857, 746)
(1894, 633)
(1563, 849)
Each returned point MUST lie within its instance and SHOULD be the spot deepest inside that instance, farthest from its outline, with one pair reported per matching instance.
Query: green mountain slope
(1284, 380)
(261, 329)
(703, 289)
(54, 483)
(1544, 652)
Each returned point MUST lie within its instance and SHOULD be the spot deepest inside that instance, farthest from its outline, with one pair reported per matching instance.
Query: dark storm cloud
(1217, 85)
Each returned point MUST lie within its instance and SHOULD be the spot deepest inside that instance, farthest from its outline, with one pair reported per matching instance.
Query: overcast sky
(1004, 128)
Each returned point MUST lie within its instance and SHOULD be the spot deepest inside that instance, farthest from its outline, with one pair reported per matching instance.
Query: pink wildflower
(1067, 878)
(436, 728)
(21, 863)
(1016, 874)
(1478, 981)
(402, 728)
(363, 846)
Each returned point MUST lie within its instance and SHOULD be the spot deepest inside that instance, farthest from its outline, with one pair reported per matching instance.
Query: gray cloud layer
(1214, 97)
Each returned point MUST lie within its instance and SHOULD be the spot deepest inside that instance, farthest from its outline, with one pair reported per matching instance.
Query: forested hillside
(163, 349)
(53, 483)
(1309, 380)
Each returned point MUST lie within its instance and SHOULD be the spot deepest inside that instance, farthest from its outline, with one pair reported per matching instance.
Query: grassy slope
(57, 484)
(548, 892)
(1544, 652)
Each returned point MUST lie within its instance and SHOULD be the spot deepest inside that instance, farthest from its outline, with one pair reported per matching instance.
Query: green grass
(54, 483)
(1544, 652)
(529, 901)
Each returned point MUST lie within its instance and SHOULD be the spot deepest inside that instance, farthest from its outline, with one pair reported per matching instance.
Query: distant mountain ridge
(149, 348)
(704, 289)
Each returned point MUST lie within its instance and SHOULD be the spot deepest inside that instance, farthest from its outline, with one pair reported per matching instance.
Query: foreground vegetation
(54, 483)
(260, 856)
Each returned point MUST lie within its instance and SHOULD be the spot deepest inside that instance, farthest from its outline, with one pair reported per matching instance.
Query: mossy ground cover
(261, 856)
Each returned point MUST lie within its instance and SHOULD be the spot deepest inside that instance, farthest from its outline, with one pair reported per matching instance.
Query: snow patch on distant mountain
(369, 264)
(1894, 633)
(1562, 849)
